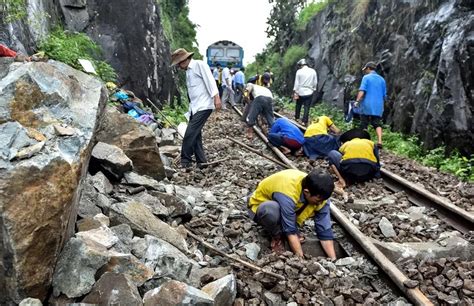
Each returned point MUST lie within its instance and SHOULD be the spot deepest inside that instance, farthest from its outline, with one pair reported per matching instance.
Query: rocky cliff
(130, 34)
(425, 51)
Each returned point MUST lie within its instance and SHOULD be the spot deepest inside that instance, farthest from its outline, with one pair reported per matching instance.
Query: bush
(13, 10)
(70, 47)
(292, 55)
(309, 12)
(175, 115)
(402, 145)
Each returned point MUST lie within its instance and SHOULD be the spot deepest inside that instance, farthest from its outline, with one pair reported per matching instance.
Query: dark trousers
(306, 102)
(268, 216)
(261, 106)
(239, 93)
(192, 140)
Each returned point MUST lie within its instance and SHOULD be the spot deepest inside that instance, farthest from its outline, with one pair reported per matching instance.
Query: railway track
(458, 218)
(391, 270)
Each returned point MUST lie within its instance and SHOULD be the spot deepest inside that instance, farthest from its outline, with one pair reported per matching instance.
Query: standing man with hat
(306, 82)
(371, 97)
(204, 97)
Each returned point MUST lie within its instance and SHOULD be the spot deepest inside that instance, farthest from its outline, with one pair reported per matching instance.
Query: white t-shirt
(226, 75)
(306, 81)
(257, 90)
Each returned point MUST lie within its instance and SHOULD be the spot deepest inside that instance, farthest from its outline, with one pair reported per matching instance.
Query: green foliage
(69, 48)
(13, 10)
(292, 55)
(282, 23)
(407, 146)
(179, 30)
(309, 11)
(175, 115)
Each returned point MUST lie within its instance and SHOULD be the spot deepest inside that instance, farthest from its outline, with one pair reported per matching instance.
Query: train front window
(233, 53)
(217, 52)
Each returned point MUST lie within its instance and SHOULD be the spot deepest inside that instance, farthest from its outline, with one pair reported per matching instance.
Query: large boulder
(136, 141)
(39, 193)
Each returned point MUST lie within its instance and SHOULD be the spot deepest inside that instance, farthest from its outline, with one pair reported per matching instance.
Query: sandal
(380, 146)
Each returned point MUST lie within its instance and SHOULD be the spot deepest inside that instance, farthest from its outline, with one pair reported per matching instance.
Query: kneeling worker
(318, 143)
(357, 159)
(284, 200)
(286, 136)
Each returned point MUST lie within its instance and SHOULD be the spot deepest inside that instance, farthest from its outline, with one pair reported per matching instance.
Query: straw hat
(180, 55)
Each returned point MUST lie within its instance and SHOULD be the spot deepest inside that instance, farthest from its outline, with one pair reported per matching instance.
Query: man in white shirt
(306, 82)
(261, 103)
(228, 93)
(203, 96)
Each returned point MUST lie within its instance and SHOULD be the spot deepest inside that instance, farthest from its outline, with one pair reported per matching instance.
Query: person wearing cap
(260, 101)
(306, 82)
(204, 98)
(239, 80)
(357, 159)
(370, 99)
(283, 201)
(227, 91)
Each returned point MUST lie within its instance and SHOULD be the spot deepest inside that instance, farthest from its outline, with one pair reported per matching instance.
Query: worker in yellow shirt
(284, 200)
(357, 159)
(318, 142)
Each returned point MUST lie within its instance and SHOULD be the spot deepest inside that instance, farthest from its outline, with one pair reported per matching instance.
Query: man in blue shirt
(239, 80)
(285, 135)
(371, 97)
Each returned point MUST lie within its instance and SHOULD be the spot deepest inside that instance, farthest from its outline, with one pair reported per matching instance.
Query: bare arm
(217, 102)
(342, 182)
(295, 244)
(334, 129)
(360, 96)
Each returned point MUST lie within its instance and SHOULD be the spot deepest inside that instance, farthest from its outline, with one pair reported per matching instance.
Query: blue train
(224, 52)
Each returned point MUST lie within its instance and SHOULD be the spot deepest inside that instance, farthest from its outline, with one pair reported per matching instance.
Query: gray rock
(415, 213)
(153, 203)
(362, 205)
(198, 275)
(103, 236)
(63, 130)
(167, 137)
(112, 159)
(252, 250)
(31, 302)
(273, 299)
(135, 179)
(125, 235)
(134, 138)
(387, 228)
(127, 264)
(114, 288)
(166, 260)
(176, 206)
(176, 293)
(101, 183)
(103, 219)
(36, 95)
(76, 268)
(399, 302)
(346, 261)
(142, 221)
(223, 290)
(139, 247)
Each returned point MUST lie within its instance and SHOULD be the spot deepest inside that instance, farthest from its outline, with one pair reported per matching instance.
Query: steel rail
(419, 196)
(414, 294)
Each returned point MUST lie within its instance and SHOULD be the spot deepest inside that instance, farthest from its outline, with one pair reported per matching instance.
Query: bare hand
(217, 102)
(295, 96)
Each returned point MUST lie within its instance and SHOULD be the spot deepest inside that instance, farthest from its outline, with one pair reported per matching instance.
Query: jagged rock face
(425, 52)
(39, 190)
(131, 36)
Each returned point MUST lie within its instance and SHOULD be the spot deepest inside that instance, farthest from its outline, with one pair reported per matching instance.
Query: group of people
(283, 201)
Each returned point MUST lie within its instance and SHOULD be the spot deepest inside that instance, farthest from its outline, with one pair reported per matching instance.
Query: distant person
(306, 82)
(228, 93)
(282, 203)
(371, 98)
(264, 82)
(217, 74)
(286, 136)
(357, 159)
(264, 79)
(204, 98)
(260, 100)
(269, 71)
(239, 81)
(318, 142)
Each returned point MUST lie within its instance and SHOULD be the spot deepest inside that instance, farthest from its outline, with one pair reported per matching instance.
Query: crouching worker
(260, 101)
(284, 200)
(357, 159)
(318, 143)
(286, 136)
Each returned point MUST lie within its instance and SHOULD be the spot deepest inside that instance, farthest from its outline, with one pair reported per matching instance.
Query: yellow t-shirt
(319, 126)
(289, 183)
(358, 148)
